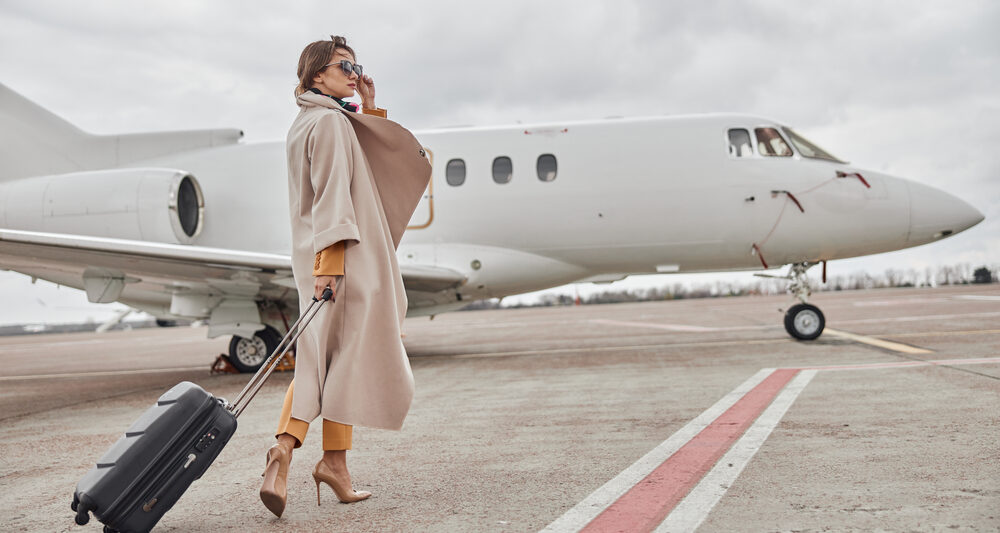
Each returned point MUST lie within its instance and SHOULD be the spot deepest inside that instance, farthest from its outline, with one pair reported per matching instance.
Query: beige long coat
(356, 178)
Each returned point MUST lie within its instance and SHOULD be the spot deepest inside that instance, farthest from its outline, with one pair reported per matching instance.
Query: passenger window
(770, 143)
(546, 167)
(502, 169)
(739, 143)
(454, 172)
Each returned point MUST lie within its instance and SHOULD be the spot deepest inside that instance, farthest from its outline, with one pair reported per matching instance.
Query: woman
(354, 180)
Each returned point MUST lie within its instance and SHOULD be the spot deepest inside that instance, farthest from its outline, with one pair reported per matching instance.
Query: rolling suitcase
(172, 444)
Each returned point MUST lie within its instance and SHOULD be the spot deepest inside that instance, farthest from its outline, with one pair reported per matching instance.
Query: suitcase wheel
(81, 509)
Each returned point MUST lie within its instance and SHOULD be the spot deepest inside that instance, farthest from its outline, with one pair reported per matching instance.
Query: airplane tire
(805, 322)
(248, 354)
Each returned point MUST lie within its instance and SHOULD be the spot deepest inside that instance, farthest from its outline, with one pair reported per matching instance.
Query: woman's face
(332, 79)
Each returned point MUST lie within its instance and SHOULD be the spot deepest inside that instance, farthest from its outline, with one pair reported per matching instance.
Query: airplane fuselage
(628, 196)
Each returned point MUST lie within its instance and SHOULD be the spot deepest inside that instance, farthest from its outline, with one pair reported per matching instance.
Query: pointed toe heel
(274, 490)
(343, 491)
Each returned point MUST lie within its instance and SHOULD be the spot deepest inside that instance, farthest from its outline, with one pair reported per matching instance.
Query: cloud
(911, 88)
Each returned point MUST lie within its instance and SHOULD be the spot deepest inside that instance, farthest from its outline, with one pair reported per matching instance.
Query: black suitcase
(172, 444)
(143, 474)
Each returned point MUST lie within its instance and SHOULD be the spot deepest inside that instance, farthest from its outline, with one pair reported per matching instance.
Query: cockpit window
(770, 143)
(808, 149)
(739, 143)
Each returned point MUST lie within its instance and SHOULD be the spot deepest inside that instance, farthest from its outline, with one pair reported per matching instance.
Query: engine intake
(152, 204)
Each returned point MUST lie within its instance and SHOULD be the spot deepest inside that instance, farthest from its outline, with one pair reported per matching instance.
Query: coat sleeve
(331, 170)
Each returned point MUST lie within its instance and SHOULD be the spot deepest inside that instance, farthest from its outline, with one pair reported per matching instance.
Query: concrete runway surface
(665, 416)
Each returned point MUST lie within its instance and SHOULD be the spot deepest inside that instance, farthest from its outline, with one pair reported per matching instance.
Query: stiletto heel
(322, 473)
(273, 492)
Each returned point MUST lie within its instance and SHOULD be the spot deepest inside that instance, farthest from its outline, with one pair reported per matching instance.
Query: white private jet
(194, 224)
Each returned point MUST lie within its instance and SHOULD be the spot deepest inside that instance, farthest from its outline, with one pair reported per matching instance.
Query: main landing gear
(803, 321)
(248, 354)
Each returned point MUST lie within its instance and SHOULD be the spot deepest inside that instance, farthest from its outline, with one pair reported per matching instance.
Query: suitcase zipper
(178, 472)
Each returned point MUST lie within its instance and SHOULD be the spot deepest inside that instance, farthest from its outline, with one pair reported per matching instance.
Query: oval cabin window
(502, 169)
(546, 167)
(454, 172)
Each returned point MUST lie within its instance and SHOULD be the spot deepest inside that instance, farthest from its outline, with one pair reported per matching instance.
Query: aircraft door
(423, 215)
(752, 177)
(773, 179)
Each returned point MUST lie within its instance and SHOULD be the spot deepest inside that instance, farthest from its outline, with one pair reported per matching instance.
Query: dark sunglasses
(347, 67)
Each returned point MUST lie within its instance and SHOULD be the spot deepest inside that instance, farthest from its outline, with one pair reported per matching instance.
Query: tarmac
(666, 416)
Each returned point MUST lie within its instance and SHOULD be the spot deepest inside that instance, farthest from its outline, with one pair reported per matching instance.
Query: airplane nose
(935, 214)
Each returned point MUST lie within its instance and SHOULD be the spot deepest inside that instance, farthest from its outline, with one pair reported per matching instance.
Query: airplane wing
(62, 255)
(146, 272)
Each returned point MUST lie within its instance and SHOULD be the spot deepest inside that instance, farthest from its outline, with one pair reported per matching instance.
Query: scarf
(350, 106)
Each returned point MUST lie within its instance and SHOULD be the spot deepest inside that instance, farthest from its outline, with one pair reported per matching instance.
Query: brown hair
(314, 56)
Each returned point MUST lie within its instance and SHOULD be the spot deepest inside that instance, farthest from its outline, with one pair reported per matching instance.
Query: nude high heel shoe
(345, 494)
(274, 491)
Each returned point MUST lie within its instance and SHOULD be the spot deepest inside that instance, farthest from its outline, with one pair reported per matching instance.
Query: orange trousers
(336, 436)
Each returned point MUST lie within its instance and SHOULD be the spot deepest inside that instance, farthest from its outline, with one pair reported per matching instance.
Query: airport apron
(354, 178)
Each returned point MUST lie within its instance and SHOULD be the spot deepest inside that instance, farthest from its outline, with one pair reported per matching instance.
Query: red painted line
(938, 362)
(646, 504)
(975, 361)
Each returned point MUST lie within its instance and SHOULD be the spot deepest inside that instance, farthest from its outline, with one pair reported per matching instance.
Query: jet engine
(150, 204)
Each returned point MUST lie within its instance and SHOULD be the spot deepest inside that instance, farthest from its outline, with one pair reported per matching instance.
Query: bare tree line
(961, 274)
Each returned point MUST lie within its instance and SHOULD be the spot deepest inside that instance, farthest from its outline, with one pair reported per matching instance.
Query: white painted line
(948, 333)
(108, 373)
(668, 327)
(694, 508)
(591, 506)
(43, 344)
(584, 349)
(977, 297)
(904, 301)
(881, 343)
(919, 318)
(100, 340)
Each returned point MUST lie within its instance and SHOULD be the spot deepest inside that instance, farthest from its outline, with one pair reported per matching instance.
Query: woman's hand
(321, 283)
(366, 88)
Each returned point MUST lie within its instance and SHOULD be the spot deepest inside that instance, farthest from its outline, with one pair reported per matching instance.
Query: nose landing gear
(803, 321)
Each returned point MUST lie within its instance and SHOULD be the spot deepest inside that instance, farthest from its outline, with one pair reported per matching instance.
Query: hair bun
(314, 59)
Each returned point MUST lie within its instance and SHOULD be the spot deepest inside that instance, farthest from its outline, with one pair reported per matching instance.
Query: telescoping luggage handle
(248, 392)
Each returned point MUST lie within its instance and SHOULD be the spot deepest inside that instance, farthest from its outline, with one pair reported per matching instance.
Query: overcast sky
(906, 87)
